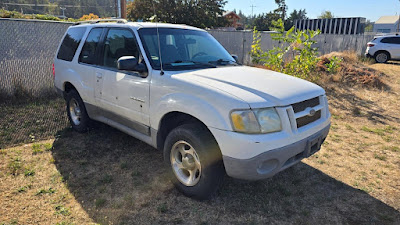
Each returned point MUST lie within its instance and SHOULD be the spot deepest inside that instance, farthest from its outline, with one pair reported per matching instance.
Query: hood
(258, 87)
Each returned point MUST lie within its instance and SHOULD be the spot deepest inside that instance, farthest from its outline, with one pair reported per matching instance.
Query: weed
(45, 191)
(380, 157)
(100, 202)
(29, 172)
(162, 208)
(15, 166)
(136, 173)
(61, 210)
(37, 148)
(106, 179)
(24, 188)
(124, 165)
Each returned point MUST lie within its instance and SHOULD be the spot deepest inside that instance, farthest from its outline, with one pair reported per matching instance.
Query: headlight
(257, 121)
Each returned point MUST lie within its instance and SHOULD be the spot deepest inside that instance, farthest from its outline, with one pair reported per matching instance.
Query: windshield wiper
(188, 63)
(221, 61)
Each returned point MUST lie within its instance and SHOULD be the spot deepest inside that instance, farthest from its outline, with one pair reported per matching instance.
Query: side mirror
(236, 58)
(128, 63)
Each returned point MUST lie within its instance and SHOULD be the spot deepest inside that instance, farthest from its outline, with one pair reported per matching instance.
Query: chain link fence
(29, 108)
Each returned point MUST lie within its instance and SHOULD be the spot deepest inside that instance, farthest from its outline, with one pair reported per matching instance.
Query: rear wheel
(76, 111)
(194, 161)
(382, 57)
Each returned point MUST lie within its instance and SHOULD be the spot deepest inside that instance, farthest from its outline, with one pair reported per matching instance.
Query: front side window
(88, 54)
(70, 43)
(183, 49)
(118, 43)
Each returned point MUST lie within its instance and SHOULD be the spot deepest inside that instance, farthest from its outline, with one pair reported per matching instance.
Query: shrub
(295, 56)
(91, 16)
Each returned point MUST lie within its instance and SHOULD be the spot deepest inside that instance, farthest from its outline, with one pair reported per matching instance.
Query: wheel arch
(174, 119)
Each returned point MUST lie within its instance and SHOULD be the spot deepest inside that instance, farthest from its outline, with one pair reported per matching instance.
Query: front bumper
(269, 163)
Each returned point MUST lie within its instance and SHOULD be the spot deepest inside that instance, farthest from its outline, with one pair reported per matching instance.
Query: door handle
(99, 75)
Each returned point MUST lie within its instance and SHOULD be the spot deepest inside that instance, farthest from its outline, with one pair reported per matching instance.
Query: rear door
(89, 60)
(392, 45)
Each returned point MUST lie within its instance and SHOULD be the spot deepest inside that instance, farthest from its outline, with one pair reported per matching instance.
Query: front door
(125, 94)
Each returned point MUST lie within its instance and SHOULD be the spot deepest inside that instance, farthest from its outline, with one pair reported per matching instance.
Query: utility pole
(252, 10)
(123, 9)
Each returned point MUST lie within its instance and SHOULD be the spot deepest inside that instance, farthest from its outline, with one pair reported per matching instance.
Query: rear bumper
(368, 55)
(273, 161)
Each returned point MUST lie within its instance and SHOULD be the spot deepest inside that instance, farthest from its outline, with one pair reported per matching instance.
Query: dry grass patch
(32, 190)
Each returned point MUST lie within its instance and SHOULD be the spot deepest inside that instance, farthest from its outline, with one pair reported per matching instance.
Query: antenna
(158, 37)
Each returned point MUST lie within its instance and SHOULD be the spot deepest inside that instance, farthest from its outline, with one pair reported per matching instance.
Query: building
(233, 19)
(387, 24)
(351, 25)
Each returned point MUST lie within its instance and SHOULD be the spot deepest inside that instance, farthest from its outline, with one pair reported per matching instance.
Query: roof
(141, 25)
(388, 20)
(230, 12)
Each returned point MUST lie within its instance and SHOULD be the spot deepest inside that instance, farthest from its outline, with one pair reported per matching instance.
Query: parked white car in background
(176, 88)
(384, 48)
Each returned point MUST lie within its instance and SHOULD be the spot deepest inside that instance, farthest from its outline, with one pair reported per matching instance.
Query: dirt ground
(107, 177)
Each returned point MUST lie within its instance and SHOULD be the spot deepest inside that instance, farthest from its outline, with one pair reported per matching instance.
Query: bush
(295, 56)
(91, 16)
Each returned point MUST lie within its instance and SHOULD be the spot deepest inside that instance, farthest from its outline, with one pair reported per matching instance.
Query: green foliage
(205, 13)
(46, 191)
(326, 15)
(15, 166)
(334, 64)
(295, 56)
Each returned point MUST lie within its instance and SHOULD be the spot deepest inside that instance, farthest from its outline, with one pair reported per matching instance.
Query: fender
(198, 108)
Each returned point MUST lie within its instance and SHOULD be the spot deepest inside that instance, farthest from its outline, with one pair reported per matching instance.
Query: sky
(370, 9)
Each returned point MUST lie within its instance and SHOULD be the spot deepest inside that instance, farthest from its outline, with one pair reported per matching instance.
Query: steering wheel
(199, 54)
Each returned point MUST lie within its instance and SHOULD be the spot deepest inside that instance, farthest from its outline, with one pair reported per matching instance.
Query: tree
(295, 15)
(326, 15)
(282, 8)
(263, 21)
(205, 13)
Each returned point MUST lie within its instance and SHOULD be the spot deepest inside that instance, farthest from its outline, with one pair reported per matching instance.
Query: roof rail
(101, 20)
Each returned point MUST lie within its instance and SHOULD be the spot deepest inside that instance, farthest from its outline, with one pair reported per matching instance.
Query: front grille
(302, 121)
(301, 106)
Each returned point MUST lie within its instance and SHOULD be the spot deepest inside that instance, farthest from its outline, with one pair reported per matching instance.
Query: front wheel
(194, 161)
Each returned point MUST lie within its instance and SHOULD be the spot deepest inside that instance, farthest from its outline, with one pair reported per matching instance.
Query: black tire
(72, 97)
(382, 57)
(212, 169)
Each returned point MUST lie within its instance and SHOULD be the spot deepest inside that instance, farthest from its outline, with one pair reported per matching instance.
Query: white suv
(191, 100)
(384, 48)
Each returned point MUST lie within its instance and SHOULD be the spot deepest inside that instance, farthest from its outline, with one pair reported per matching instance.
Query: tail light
(371, 45)
(54, 71)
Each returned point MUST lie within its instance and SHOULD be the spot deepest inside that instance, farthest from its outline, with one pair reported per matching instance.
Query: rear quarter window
(70, 43)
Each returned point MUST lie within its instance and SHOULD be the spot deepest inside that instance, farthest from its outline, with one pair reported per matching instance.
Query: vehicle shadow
(118, 179)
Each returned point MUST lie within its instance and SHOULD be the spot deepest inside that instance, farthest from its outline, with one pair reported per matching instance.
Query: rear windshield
(70, 43)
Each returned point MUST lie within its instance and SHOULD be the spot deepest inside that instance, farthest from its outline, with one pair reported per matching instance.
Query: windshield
(184, 49)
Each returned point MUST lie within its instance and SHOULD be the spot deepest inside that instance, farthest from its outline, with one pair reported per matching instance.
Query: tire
(202, 161)
(382, 57)
(76, 111)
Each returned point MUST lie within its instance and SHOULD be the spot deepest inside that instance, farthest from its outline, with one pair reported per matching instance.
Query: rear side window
(391, 40)
(88, 54)
(71, 43)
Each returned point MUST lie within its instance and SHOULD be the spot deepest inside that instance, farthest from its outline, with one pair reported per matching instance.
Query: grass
(29, 122)
(107, 177)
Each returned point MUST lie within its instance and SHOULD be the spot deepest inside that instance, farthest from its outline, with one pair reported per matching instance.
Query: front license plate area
(313, 146)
